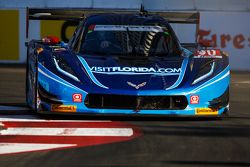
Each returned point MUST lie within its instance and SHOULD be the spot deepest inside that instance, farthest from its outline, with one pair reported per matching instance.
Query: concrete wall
(226, 22)
(201, 5)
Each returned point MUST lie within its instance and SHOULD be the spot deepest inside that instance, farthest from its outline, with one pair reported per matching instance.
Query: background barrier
(225, 22)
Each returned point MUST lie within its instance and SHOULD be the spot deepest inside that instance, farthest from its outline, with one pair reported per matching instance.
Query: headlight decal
(206, 75)
(225, 73)
(47, 73)
(65, 72)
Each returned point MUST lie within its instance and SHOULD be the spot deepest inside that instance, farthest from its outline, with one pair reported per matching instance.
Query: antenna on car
(143, 12)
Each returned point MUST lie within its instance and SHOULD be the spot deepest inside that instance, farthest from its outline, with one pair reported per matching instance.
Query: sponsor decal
(194, 99)
(224, 40)
(137, 86)
(77, 97)
(59, 49)
(136, 70)
(208, 54)
(129, 27)
(206, 111)
(63, 108)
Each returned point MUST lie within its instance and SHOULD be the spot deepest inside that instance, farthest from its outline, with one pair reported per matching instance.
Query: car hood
(126, 73)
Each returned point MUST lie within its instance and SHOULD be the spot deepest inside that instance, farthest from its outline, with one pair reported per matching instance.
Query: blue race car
(124, 63)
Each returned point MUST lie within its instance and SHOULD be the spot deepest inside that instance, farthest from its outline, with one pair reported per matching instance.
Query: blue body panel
(207, 91)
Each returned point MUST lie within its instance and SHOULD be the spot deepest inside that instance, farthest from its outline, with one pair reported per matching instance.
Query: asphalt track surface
(182, 142)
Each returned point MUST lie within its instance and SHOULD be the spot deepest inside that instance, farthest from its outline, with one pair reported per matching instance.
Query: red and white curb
(27, 134)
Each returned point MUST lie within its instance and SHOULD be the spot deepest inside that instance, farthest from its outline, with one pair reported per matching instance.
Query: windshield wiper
(130, 42)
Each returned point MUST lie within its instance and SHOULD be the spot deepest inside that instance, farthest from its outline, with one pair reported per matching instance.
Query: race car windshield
(129, 40)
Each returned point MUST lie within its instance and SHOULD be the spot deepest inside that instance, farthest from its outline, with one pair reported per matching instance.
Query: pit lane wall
(225, 23)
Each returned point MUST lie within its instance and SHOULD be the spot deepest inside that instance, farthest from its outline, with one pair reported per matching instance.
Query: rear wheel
(32, 96)
(29, 81)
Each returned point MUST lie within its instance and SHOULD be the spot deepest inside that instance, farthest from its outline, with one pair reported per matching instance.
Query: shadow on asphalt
(206, 163)
(134, 117)
(120, 117)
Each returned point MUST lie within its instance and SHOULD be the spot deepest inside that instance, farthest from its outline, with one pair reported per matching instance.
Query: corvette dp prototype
(124, 63)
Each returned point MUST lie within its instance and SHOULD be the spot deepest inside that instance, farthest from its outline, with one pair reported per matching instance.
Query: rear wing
(77, 14)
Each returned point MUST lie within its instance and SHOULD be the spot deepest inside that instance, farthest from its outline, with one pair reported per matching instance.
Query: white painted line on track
(68, 131)
(13, 108)
(7, 148)
(241, 82)
(28, 133)
(31, 118)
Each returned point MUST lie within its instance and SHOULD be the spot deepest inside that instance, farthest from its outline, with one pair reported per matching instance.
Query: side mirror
(50, 40)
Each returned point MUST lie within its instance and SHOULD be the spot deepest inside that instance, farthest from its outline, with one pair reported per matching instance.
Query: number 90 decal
(208, 54)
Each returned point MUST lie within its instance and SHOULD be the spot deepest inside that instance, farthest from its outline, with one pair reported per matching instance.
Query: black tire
(36, 86)
(31, 90)
(27, 79)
